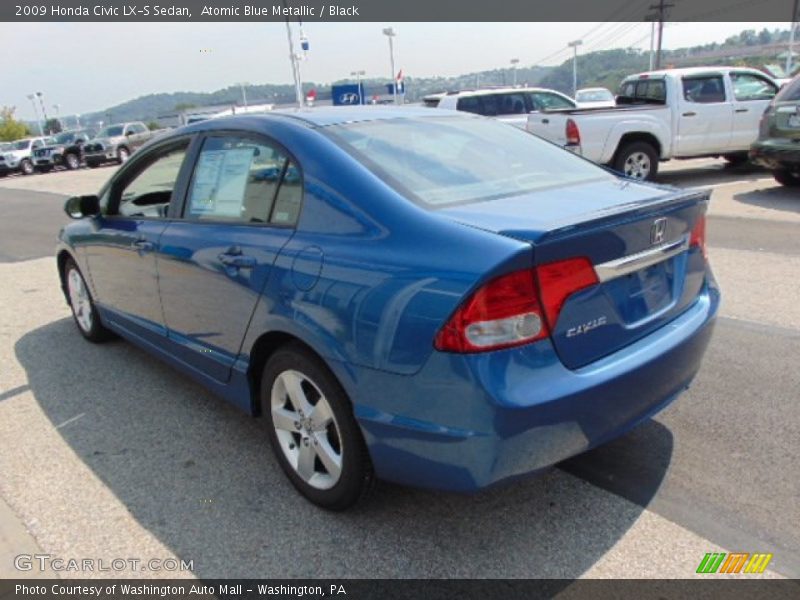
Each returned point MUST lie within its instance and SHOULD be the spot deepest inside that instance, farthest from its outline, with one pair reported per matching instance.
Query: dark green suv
(778, 144)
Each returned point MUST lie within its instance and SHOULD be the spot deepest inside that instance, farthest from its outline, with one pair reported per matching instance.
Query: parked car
(597, 97)
(19, 159)
(65, 150)
(676, 113)
(778, 144)
(510, 105)
(431, 298)
(116, 143)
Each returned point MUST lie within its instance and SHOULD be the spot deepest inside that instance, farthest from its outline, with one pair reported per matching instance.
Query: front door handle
(234, 258)
(741, 110)
(142, 246)
(545, 121)
(690, 114)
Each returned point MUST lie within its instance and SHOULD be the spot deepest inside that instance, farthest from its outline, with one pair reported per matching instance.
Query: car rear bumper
(465, 422)
(772, 155)
(100, 156)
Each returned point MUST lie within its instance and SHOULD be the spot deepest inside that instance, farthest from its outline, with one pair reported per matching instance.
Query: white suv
(510, 104)
(19, 158)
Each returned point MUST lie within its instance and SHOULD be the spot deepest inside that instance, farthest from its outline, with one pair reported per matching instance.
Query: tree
(10, 128)
(153, 125)
(53, 126)
(181, 106)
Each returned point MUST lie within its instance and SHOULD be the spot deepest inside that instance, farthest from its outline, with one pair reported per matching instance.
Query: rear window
(644, 90)
(790, 92)
(442, 161)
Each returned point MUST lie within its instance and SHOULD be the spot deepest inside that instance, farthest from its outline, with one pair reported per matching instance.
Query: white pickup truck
(676, 113)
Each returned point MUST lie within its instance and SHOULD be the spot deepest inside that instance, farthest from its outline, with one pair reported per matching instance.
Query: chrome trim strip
(633, 262)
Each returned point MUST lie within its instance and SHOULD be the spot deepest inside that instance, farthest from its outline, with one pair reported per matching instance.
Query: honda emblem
(658, 231)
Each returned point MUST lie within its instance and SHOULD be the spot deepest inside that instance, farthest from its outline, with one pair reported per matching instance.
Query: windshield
(594, 96)
(790, 91)
(453, 160)
(65, 138)
(22, 145)
(111, 131)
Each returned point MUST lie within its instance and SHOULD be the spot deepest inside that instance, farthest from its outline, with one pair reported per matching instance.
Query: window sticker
(220, 181)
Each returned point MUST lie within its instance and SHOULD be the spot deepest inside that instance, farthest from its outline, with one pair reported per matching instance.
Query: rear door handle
(741, 110)
(690, 114)
(233, 257)
(142, 246)
(545, 121)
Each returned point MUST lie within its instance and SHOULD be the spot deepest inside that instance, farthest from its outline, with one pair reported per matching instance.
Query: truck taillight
(573, 133)
(698, 236)
(514, 309)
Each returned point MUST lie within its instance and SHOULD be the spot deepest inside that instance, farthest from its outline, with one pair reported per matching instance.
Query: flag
(399, 76)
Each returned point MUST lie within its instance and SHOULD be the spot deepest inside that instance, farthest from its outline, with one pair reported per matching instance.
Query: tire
(736, 159)
(80, 301)
(26, 167)
(123, 154)
(637, 160)
(326, 460)
(787, 178)
(72, 161)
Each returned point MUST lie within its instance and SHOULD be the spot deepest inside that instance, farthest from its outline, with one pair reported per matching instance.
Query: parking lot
(106, 453)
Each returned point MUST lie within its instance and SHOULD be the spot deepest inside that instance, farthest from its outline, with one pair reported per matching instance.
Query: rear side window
(511, 104)
(644, 91)
(548, 101)
(790, 92)
(242, 180)
(748, 86)
(705, 89)
(470, 104)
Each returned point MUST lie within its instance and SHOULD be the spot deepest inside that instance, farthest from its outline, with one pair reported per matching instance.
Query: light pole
(390, 33)
(32, 98)
(514, 63)
(56, 108)
(358, 75)
(574, 45)
(790, 49)
(242, 86)
(40, 95)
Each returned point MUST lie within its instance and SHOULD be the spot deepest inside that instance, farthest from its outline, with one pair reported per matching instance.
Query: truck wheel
(787, 178)
(736, 159)
(637, 160)
(26, 167)
(72, 161)
(122, 155)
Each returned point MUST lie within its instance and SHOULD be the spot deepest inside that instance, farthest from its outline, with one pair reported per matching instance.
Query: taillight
(698, 235)
(573, 133)
(505, 312)
(510, 310)
(559, 280)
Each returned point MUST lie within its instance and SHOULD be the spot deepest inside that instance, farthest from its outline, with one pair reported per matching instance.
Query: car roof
(322, 116)
(695, 71)
(502, 90)
(593, 89)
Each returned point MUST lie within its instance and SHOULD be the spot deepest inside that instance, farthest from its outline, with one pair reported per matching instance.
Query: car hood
(16, 153)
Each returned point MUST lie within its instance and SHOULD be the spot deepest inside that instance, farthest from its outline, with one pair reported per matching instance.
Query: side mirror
(129, 133)
(78, 207)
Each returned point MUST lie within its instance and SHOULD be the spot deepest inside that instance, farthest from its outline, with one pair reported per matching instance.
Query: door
(550, 127)
(137, 134)
(122, 251)
(242, 204)
(705, 116)
(751, 95)
(512, 108)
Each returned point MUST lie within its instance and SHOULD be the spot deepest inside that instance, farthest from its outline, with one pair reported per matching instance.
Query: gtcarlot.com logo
(735, 562)
(48, 562)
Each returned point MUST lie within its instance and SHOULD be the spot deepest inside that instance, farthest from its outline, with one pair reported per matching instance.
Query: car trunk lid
(637, 237)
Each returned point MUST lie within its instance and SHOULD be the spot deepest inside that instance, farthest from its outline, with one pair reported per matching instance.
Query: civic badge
(658, 231)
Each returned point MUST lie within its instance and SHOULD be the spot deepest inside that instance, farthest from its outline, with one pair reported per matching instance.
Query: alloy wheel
(79, 300)
(637, 166)
(306, 429)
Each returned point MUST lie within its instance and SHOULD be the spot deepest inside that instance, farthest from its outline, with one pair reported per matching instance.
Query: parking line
(68, 421)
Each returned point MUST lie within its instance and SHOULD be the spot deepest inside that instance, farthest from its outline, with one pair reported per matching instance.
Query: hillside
(601, 68)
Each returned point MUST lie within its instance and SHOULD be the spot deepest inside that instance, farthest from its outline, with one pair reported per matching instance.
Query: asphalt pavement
(105, 452)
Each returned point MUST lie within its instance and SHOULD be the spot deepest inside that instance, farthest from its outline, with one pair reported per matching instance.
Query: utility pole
(790, 49)
(298, 86)
(390, 33)
(514, 63)
(661, 7)
(574, 45)
(358, 75)
(32, 98)
(652, 20)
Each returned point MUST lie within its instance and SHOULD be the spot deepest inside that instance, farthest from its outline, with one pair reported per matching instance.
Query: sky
(85, 67)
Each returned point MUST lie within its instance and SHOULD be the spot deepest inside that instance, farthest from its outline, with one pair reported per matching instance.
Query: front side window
(136, 128)
(111, 131)
(439, 161)
(747, 86)
(706, 89)
(239, 179)
(149, 192)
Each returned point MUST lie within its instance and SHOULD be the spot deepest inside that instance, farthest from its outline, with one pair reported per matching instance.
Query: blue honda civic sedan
(430, 298)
